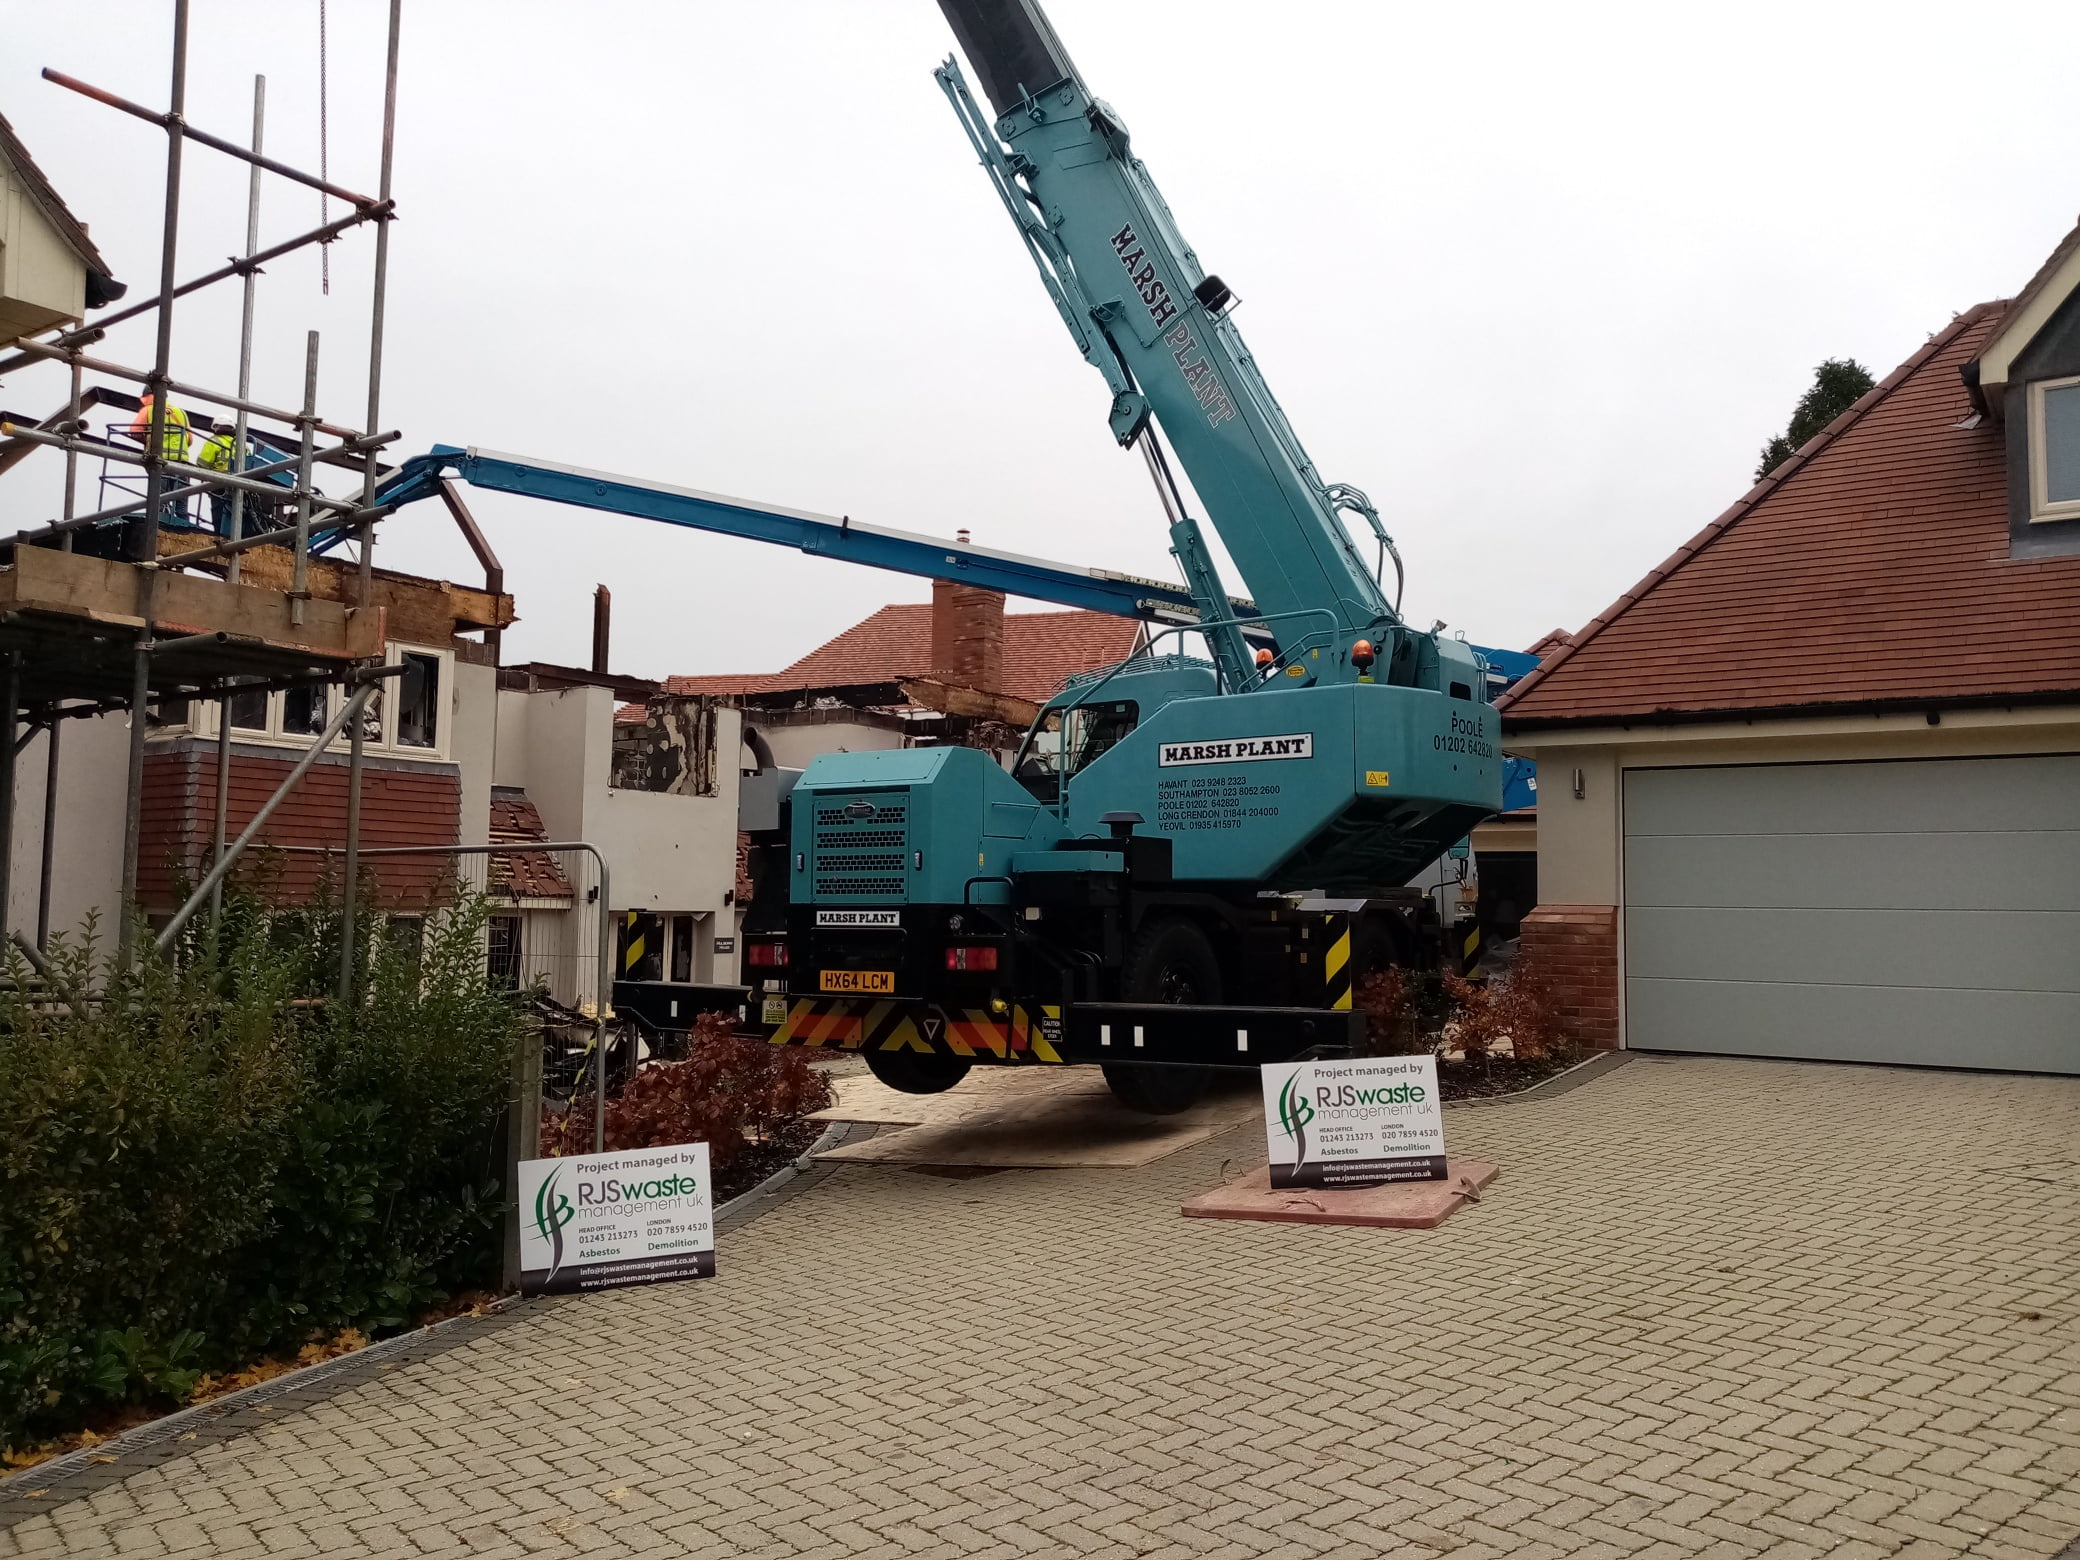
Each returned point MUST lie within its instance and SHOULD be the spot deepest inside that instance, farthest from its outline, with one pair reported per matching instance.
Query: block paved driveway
(1713, 1307)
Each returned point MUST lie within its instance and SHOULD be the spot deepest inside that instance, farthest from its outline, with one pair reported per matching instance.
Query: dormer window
(2054, 443)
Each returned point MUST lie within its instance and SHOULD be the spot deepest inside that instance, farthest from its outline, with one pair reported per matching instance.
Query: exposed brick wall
(1577, 947)
(968, 635)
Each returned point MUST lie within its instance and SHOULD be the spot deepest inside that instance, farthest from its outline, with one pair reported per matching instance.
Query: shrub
(208, 1159)
(1516, 1008)
(731, 1088)
(1387, 1001)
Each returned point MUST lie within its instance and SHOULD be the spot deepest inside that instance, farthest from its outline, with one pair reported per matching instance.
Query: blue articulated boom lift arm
(821, 536)
(1157, 326)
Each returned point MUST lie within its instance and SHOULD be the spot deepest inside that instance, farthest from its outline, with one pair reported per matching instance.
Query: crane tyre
(1173, 961)
(907, 1072)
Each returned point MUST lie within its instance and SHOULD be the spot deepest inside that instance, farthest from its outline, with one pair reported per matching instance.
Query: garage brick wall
(1577, 948)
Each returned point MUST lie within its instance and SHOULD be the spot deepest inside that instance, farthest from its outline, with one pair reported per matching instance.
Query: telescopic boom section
(1012, 46)
(1147, 315)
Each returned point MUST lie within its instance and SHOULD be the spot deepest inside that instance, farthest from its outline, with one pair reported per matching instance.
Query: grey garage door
(1924, 911)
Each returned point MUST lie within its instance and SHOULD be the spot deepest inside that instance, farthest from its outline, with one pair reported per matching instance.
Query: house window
(502, 952)
(371, 720)
(303, 710)
(249, 710)
(2054, 439)
(405, 713)
(418, 700)
(406, 936)
(682, 948)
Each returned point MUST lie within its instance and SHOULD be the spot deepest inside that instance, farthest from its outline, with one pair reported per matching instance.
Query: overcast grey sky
(1541, 279)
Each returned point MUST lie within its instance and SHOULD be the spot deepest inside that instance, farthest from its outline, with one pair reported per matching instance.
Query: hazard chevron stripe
(1337, 974)
(853, 1024)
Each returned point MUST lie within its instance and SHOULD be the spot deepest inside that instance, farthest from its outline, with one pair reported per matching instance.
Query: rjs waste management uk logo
(1294, 1113)
(1357, 1123)
(552, 1211)
(600, 1221)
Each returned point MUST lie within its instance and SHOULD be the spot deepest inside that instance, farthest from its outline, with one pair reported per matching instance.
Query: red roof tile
(1041, 650)
(1871, 567)
(522, 874)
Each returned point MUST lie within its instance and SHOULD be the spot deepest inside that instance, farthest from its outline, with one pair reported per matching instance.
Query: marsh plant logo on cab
(1236, 750)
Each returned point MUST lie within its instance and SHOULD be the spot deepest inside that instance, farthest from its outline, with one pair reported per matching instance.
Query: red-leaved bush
(1517, 1008)
(1387, 999)
(730, 1089)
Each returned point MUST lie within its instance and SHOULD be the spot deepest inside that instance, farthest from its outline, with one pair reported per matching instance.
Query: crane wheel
(909, 1073)
(1173, 961)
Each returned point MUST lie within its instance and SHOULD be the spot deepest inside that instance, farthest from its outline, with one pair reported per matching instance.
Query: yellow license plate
(875, 982)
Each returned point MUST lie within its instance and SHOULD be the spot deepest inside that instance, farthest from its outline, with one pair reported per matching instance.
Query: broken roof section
(522, 875)
(1872, 569)
(102, 287)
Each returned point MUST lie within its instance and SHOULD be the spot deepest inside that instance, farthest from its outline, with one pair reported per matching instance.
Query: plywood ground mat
(1027, 1118)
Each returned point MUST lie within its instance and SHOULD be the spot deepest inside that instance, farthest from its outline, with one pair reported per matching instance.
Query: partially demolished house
(957, 670)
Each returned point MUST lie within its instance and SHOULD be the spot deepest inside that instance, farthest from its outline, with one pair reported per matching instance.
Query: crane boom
(1149, 317)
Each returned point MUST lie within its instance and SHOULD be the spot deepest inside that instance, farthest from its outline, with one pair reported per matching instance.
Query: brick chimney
(968, 634)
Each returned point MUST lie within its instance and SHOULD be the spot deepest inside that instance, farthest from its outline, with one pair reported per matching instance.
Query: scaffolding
(138, 602)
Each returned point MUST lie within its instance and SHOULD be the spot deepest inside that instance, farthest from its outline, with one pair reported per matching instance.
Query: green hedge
(208, 1161)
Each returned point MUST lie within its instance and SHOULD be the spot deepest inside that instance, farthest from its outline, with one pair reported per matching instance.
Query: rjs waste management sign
(602, 1221)
(1359, 1123)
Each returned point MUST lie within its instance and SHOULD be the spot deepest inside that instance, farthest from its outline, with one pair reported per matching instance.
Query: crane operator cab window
(1095, 728)
(1064, 742)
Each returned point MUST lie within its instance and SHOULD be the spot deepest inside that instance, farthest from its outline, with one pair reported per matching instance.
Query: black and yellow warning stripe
(862, 1024)
(1338, 973)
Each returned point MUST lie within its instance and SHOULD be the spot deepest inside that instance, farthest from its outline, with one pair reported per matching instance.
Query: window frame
(274, 733)
(2041, 509)
(496, 926)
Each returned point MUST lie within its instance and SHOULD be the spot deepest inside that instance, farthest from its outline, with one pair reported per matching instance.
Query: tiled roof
(522, 874)
(1041, 650)
(1871, 568)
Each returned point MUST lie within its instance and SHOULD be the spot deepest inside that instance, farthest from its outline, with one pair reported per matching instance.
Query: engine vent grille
(861, 848)
(898, 812)
(836, 839)
(861, 887)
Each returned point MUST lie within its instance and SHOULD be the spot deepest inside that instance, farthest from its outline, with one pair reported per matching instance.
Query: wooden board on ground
(1028, 1118)
(1408, 1205)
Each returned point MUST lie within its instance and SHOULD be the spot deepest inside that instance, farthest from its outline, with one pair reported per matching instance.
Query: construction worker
(173, 446)
(216, 456)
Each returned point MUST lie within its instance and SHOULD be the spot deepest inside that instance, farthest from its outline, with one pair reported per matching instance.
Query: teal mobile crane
(1190, 862)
